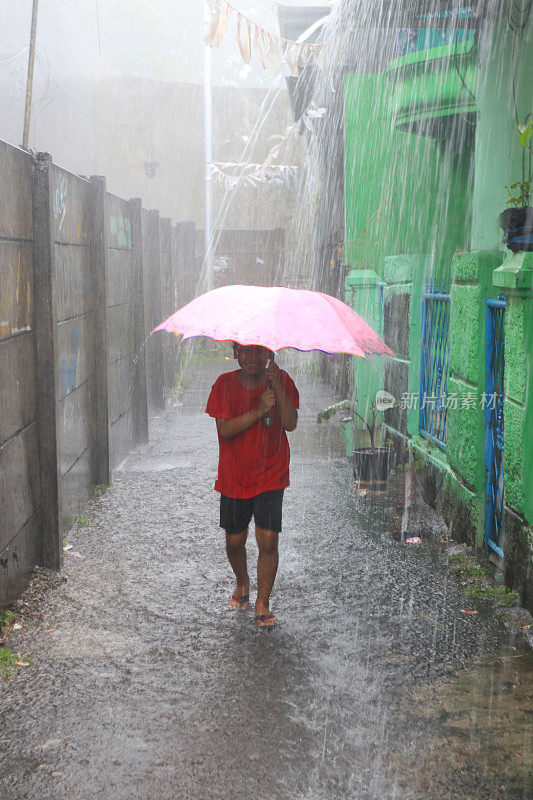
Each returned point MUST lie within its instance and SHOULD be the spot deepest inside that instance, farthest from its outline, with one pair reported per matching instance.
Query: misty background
(118, 91)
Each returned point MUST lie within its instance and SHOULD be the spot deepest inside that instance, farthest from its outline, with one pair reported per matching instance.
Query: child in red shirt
(253, 407)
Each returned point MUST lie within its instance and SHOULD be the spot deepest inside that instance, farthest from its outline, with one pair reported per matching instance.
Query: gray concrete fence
(84, 278)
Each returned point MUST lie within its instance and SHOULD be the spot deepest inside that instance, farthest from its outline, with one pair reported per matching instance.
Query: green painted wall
(404, 193)
(514, 279)
(465, 451)
(416, 208)
(498, 152)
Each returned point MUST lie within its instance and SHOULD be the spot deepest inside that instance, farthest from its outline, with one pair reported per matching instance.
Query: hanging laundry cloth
(292, 55)
(260, 46)
(219, 24)
(319, 55)
(274, 59)
(244, 38)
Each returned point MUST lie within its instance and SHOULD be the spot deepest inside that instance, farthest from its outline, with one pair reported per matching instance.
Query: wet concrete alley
(375, 685)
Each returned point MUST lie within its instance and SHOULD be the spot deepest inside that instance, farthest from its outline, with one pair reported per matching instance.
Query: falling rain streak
(362, 149)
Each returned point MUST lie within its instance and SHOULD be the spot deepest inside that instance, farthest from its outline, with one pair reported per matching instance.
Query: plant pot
(371, 467)
(517, 226)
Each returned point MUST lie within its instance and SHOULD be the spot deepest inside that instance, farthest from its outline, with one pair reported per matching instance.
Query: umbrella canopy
(276, 317)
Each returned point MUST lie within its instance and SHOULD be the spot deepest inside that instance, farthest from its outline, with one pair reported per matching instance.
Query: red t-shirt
(257, 460)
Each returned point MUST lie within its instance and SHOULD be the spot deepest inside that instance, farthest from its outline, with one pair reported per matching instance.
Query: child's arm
(287, 414)
(229, 428)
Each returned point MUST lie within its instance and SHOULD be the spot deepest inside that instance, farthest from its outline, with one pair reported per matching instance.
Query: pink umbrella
(276, 317)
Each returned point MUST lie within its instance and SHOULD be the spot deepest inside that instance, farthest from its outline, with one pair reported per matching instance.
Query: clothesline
(276, 53)
(253, 174)
(233, 10)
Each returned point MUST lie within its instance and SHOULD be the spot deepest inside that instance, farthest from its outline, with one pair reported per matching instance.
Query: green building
(432, 138)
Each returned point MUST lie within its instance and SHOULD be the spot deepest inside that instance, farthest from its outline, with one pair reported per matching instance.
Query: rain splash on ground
(375, 685)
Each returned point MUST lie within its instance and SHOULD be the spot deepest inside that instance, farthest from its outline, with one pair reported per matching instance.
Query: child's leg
(267, 566)
(235, 514)
(236, 552)
(267, 514)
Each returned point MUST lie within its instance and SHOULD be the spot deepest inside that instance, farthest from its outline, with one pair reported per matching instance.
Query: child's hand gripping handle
(267, 419)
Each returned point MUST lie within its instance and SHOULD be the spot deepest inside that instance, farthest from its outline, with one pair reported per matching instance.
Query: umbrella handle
(267, 419)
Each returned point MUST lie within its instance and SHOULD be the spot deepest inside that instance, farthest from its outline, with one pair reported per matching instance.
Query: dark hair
(235, 345)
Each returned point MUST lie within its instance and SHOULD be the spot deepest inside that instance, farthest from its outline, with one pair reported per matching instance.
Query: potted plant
(370, 464)
(517, 220)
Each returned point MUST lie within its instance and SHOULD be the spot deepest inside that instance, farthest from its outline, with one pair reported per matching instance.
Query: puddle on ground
(477, 723)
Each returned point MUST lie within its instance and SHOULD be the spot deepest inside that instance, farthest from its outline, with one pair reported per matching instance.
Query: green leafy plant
(7, 618)
(519, 192)
(526, 132)
(83, 520)
(99, 488)
(370, 422)
(456, 558)
(475, 582)
(329, 412)
(7, 662)
(501, 595)
(415, 461)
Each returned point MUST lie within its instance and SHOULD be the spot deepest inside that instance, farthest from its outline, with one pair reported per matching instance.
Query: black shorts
(265, 508)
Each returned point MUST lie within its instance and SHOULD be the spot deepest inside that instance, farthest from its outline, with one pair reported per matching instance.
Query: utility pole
(29, 83)
(208, 148)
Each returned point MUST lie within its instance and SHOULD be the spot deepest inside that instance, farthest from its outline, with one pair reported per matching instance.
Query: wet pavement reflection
(375, 685)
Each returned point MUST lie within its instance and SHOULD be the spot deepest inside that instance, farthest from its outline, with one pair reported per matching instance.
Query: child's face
(252, 359)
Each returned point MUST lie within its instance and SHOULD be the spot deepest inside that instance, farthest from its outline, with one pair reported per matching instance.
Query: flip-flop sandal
(261, 620)
(241, 599)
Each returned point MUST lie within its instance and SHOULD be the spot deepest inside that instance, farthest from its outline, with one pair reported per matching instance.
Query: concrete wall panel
(16, 287)
(20, 494)
(153, 310)
(120, 439)
(17, 393)
(120, 287)
(120, 388)
(118, 233)
(70, 213)
(17, 561)
(120, 326)
(74, 353)
(19, 483)
(16, 220)
(73, 281)
(120, 332)
(74, 434)
(75, 491)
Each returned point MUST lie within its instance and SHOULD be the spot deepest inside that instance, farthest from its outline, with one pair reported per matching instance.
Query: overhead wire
(5, 59)
(60, 87)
